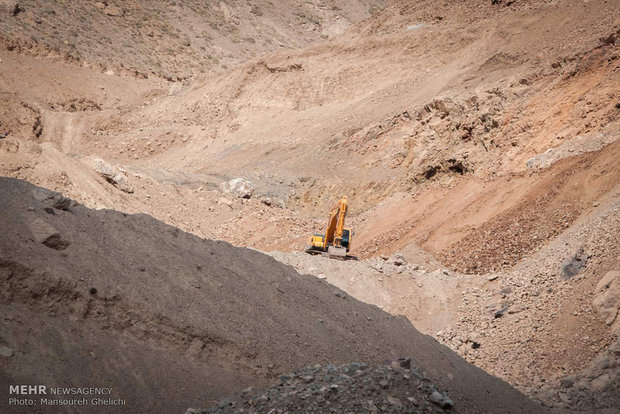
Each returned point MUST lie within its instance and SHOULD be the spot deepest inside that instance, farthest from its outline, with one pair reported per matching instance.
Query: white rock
(398, 259)
(238, 187)
(113, 175)
(6, 352)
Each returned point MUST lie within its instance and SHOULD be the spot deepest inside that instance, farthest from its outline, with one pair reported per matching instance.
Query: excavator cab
(347, 235)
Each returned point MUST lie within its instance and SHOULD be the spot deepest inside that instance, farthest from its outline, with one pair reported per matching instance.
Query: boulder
(500, 312)
(11, 6)
(42, 194)
(238, 187)
(52, 199)
(59, 202)
(113, 11)
(48, 235)
(225, 201)
(279, 203)
(113, 175)
(607, 298)
(573, 265)
(6, 352)
(441, 400)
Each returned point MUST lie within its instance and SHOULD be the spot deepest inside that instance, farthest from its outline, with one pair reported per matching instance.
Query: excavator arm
(342, 214)
(332, 225)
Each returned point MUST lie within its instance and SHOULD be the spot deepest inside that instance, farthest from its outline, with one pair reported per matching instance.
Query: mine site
(319, 206)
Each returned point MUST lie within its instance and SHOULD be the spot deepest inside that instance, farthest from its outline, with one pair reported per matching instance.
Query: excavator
(336, 241)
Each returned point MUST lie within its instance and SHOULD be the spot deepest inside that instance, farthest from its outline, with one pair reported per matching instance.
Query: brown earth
(477, 139)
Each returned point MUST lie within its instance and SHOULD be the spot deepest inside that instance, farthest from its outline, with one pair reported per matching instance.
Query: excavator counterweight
(336, 241)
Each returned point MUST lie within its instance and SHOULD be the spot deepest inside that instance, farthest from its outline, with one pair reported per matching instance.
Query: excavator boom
(342, 214)
(332, 224)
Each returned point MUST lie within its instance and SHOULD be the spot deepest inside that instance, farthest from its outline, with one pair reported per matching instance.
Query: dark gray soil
(351, 388)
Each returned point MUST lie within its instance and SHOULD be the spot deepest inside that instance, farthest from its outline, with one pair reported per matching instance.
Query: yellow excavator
(336, 241)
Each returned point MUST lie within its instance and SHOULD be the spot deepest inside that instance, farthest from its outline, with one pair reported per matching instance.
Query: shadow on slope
(169, 320)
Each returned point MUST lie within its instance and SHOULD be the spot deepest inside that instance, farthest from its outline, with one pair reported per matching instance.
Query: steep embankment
(393, 107)
(170, 320)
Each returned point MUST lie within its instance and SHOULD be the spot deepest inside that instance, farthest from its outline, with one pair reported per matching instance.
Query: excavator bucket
(337, 252)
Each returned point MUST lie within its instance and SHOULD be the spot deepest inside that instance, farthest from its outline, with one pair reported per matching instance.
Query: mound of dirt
(169, 320)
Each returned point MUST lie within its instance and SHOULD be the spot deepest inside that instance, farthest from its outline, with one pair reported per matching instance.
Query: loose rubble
(352, 388)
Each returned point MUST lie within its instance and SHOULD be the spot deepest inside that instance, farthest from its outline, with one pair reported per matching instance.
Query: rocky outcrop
(600, 381)
(572, 265)
(607, 299)
(238, 187)
(114, 175)
(48, 235)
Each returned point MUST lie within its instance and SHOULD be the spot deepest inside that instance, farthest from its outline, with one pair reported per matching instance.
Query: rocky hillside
(537, 325)
(172, 39)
